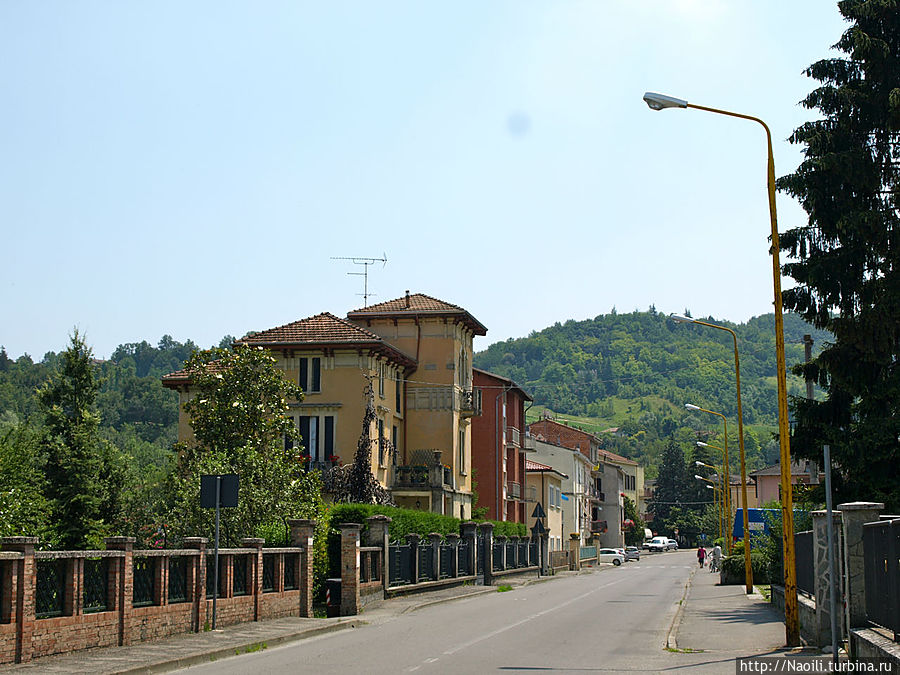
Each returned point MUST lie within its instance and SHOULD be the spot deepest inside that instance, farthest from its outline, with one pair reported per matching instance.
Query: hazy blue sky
(189, 168)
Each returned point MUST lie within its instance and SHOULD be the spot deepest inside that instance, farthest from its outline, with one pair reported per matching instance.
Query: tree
(634, 533)
(86, 476)
(847, 265)
(240, 424)
(671, 484)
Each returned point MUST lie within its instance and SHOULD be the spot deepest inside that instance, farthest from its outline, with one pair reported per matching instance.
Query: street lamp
(724, 487)
(791, 609)
(715, 497)
(726, 470)
(748, 571)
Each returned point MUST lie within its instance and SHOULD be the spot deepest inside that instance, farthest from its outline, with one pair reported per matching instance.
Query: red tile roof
(172, 380)
(531, 465)
(318, 329)
(417, 304)
(616, 458)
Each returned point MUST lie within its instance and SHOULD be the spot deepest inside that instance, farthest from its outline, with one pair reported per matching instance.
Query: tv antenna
(365, 262)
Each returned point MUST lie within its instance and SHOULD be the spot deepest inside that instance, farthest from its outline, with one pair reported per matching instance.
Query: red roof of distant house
(616, 458)
(531, 465)
(172, 380)
(418, 304)
(478, 372)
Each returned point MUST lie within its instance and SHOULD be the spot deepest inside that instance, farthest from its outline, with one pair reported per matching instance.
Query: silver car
(632, 553)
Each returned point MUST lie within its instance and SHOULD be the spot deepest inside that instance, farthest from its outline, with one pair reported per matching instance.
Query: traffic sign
(538, 512)
(538, 527)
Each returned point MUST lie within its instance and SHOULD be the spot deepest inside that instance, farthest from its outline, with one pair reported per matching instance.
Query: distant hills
(634, 373)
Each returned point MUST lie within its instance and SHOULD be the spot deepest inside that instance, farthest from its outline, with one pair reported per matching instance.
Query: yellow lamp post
(701, 444)
(715, 494)
(791, 608)
(748, 572)
(727, 471)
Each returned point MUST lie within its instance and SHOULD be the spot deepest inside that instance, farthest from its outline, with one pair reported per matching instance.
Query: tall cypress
(847, 256)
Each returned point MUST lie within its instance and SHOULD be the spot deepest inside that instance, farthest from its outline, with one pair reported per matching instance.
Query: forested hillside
(636, 371)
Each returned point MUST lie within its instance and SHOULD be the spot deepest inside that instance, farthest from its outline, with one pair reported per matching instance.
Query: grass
(503, 588)
(686, 650)
(250, 649)
(765, 590)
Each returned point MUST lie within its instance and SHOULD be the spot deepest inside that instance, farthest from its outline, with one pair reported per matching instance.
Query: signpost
(218, 491)
(538, 530)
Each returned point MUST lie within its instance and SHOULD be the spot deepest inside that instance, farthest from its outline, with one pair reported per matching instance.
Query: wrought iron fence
(445, 558)
(50, 591)
(268, 575)
(881, 555)
(511, 550)
(210, 578)
(95, 585)
(462, 559)
(178, 576)
(483, 554)
(400, 571)
(426, 564)
(803, 552)
(291, 561)
(144, 581)
(497, 557)
(533, 553)
(239, 574)
(522, 554)
(369, 567)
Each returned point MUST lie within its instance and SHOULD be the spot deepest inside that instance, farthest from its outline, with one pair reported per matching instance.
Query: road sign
(538, 512)
(228, 491)
(538, 527)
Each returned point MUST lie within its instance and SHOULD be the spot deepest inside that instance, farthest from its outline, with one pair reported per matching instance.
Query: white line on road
(516, 624)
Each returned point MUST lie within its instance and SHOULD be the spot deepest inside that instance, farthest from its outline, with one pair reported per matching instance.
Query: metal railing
(513, 490)
(513, 436)
(470, 402)
(588, 552)
(530, 493)
(50, 590)
(96, 585)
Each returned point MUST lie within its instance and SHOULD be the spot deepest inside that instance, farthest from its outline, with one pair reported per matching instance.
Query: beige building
(543, 485)
(418, 352)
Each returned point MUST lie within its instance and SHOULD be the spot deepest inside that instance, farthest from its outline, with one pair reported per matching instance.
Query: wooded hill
(634, 372)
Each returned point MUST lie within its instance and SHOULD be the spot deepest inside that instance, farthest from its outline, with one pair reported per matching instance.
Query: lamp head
(698, 463)
(661, 101)
(691, 406)
(698, 477)
(701, 444)
(681, 318)
(710, 487)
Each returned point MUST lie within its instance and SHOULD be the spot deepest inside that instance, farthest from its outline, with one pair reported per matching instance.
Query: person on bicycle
(716, 559)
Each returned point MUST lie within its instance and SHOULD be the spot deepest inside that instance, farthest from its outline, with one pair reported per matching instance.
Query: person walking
(716, 559)
(701, 555)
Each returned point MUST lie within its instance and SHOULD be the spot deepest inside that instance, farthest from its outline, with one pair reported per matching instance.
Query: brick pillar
(467, 530)
(24, 598)
(197, 582)
(453, 540)
(435, 539)
(125, 579)
(413, 540)
(575, 551)
(302, 533)
(349, 568)
(820, 567)
(256, 566)
(378, 534)
(854, 515)
(487, 532)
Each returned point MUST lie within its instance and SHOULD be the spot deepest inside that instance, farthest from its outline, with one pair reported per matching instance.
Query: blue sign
(564, 497)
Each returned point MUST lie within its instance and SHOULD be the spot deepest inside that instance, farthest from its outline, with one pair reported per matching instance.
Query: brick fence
(60, 601)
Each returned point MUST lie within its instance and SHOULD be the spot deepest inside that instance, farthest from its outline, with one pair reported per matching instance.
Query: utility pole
(807, 347)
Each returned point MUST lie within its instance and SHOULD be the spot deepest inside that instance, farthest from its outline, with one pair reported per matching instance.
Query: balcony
(513, 490)
(421, 477)
(470, 402)
(513, 437)
(320, 465)
(531, 493)
(528, 445)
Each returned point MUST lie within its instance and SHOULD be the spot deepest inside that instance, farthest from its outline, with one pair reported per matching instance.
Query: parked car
(610, 555)
(673, 544)
(658, 544)
(632, 553)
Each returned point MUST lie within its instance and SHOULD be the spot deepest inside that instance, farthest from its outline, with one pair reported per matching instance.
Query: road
(611, 620)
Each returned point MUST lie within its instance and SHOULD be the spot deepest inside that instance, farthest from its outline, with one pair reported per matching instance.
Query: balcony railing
(513, 490)
(531, 493)
(422, 477)
(320, 465)
(513, 437)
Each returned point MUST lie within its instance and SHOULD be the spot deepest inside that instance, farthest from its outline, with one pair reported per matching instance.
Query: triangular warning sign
(538, 511)
(538, 527)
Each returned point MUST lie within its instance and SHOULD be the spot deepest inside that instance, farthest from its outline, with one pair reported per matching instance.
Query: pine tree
(848, 254)
(85, 475)
(671, 484)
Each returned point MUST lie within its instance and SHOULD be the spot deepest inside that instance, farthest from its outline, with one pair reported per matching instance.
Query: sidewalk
(717, 618)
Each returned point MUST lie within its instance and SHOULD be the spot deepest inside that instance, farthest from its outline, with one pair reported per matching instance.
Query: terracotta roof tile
(318, 329)
(417, 304)
(617, 458)
(531, 465)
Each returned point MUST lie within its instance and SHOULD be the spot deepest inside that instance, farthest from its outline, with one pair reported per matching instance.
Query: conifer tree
(847, 255)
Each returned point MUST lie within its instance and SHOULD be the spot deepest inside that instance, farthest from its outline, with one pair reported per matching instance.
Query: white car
(658, 544)
(673, 544)
(610, 555)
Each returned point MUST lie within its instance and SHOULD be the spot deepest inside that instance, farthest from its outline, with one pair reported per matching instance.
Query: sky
(193, 169)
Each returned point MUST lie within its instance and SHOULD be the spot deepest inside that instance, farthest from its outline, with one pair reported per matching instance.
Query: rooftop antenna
(365, 262)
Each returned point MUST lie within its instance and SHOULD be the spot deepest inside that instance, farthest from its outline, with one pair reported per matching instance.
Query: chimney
(407, 299)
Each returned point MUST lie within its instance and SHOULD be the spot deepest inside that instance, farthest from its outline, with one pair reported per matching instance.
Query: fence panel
(447, 552)
(881, 550)
(290, 571)
(511, 550)
(400, 572)
(50, 590)
(369, 566)
(144, 579)
(533, 553)
(522, 554)
(462, 559)
(239, 574)
(803, 550)
(268, 576)
(426, 564)
(210, 575)
(588, 552)
(497, 557)
(95, 585)
(481, 555)
(178, 575)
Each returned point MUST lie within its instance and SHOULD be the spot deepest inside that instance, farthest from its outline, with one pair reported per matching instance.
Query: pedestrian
(701, 555)
(716, 559)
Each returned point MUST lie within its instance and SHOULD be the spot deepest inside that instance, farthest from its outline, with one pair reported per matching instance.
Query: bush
(733, 567)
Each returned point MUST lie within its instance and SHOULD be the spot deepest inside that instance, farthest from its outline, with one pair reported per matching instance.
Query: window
(463, 369)
(394, 442)
(311, 374)
(329, 436)
(462, 452)
(380, 442)
(398, 389)
(309, 430)
(381, 368)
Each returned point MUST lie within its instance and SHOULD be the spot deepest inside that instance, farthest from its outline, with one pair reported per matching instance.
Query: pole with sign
(218, 491)
(538, 530)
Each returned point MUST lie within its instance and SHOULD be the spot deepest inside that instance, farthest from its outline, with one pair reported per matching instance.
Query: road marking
(516, 624)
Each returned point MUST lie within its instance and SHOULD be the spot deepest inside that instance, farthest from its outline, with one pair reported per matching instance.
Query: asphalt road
(612, 620)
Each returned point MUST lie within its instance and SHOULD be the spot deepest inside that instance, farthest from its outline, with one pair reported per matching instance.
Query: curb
(671, 640)
(442, 601)
(237, 649)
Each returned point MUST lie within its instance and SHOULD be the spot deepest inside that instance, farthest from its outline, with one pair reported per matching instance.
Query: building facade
(543, 485)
